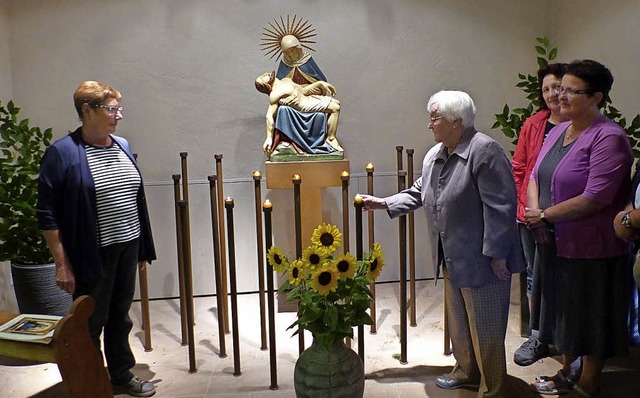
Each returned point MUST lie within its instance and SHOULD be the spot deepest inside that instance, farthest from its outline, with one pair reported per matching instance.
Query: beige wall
(186, 70)
(607, 32)
(7, 297)
(5, 53)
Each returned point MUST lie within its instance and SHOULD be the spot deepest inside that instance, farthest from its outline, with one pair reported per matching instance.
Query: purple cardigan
(598, 167)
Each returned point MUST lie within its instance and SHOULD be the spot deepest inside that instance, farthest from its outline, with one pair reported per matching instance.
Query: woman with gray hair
(469, 197)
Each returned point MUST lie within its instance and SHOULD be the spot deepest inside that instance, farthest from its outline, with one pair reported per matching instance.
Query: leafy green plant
(510, 121)
(22, 148)
(332, 293)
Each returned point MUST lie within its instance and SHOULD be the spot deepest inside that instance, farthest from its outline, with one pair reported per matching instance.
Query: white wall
(7, 297)
(186, 70)
(606, 32)
(5, 54)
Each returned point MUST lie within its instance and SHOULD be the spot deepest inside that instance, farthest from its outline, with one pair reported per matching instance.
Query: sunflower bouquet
(332, 290)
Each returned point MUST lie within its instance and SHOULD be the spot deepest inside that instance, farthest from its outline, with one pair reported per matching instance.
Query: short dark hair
(558, 70)
(597, 77)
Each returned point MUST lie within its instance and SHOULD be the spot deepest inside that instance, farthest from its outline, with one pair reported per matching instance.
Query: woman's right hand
(372, 202)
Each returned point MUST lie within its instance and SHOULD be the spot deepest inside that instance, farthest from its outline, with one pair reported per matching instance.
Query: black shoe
(449, 382)
(530, 352)
(135, 387)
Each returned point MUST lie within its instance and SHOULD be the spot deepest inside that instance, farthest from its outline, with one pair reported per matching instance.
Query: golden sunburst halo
(346, 265)
(297, 272)
(328, 237)
(376, 262)
(313, 257)
(271, 37)
(325, 280)
(277, 259)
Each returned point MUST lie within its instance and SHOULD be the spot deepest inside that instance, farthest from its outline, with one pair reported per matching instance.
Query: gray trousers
(478, 324)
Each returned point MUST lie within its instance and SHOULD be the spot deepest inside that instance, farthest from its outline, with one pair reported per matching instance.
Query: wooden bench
(80, 363)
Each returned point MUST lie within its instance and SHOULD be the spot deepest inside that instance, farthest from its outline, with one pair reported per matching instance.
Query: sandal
(553, 385)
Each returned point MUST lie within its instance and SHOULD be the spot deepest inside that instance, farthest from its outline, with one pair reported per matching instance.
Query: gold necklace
(571, 135)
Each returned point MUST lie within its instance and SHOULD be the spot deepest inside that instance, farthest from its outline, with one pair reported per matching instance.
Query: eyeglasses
(570, 92)
(435, 119)
(550, 90)
(113, 110)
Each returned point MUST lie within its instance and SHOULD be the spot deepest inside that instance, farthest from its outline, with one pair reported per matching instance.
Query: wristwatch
(543, 219)
(626, 220)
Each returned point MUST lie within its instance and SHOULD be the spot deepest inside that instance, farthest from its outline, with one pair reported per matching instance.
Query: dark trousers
(543, 291)
(113, 295)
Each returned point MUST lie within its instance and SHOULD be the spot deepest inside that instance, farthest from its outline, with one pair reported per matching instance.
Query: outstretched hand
(372, 202)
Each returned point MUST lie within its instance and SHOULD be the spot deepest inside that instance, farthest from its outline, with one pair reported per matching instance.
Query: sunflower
(313, 257)
(376, 262)
(297, 272)
(346, 265)
(325, 280)
(277, 259)
(327, 236)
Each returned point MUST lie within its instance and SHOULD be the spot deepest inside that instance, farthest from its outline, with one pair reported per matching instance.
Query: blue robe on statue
(306, 130)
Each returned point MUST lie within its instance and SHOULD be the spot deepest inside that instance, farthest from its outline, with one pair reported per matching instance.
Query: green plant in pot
(21, 241)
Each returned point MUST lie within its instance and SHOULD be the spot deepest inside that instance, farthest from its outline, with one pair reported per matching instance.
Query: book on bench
(30, 328)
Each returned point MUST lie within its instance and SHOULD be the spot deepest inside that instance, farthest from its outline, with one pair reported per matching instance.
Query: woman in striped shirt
(92, 210)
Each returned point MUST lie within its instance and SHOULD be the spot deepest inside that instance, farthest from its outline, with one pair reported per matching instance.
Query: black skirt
(592, 307)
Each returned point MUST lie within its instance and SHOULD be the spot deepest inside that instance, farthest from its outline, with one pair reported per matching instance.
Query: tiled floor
(168, 364)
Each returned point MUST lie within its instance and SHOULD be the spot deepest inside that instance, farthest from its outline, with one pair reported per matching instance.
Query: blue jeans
(113, 295)
(529, 250)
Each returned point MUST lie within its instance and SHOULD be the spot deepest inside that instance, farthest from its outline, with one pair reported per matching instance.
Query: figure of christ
(314, 97)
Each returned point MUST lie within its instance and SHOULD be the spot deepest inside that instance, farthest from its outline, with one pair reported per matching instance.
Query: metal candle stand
(402, 230)
(144, 298)
(223, 248)
(213, 196)
(257, 177)
(183, 306)
(273, 367)
(186, 261)
(297, 180)
(186, 232)
(228, 204)
(357, 204)
(344, 177)
(372, 237)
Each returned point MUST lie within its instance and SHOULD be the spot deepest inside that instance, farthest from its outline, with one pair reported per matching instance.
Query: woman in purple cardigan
(578, 185)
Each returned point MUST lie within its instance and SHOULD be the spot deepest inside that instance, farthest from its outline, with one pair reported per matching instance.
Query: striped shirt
(117, 182)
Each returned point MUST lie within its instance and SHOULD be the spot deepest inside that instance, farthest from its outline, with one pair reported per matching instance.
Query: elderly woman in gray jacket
(469, 196)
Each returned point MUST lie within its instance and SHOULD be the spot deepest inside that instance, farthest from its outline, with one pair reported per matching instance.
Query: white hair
(453, 105)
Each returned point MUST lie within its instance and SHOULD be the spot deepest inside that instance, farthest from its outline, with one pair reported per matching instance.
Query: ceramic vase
(332, 372)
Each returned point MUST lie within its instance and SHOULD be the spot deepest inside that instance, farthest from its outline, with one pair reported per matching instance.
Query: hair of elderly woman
(453, 105)
(597, 77)
(558, 70)
(93, 93)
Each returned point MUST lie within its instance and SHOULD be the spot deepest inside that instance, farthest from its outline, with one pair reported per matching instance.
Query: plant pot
(36, 290)
(335, 372)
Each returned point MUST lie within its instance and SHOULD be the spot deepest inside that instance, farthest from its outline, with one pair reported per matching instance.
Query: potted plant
(21, 241)
(333, 296)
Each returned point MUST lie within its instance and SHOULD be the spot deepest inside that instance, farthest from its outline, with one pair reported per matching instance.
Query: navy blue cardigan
(67, 202)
